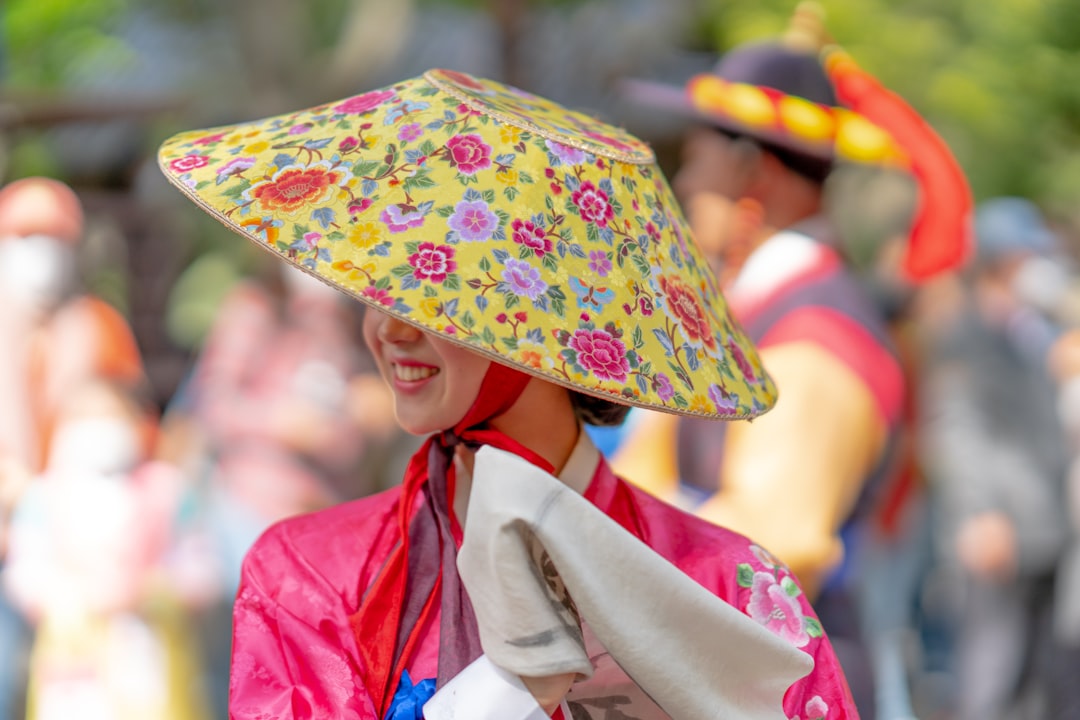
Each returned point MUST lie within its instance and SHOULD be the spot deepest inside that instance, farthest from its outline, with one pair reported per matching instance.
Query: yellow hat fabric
(496, 219)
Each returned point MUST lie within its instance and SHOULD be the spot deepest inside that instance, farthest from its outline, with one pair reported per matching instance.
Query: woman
(525, 269)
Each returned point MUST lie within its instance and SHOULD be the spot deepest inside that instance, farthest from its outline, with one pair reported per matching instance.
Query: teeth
(412, 373)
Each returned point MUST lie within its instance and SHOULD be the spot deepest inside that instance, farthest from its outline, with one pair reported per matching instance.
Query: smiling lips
(413, 373)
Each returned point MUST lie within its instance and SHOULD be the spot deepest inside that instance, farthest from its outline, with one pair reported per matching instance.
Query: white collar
(580, 467)
(774, 262)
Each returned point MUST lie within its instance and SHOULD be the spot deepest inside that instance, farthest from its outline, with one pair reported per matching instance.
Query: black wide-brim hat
(778, 95)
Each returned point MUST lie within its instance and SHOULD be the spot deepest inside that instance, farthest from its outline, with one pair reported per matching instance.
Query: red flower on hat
(685, 308)
(531, 236)
(361, 104)
(295, 188)
(431, 262)
(601, 353)
(469, 153)
(593, 204)
(188, 163)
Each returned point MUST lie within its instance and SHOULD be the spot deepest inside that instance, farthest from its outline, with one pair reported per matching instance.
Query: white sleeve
(484, 691)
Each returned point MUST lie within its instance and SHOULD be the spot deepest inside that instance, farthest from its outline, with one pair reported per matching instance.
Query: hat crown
(782, 68)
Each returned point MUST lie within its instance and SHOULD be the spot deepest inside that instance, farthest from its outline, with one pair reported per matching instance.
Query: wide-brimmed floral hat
(496, 219)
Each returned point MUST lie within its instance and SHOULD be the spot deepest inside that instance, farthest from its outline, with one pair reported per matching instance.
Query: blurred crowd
(123, 523)
(124, 516)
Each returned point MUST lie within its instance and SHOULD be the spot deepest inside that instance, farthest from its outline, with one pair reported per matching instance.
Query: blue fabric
(409, 699)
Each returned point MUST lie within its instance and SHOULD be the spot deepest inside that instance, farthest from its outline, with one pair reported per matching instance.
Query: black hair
(597, 411)
(812, 168)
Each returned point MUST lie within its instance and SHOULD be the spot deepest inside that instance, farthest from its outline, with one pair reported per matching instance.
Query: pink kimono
(295, 655)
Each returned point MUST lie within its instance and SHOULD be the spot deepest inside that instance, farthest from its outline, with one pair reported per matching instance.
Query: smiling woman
(512, 575)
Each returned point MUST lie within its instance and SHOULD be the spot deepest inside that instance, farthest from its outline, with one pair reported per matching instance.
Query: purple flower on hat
(663, 387)
(361, 104)
(593, 204)
(601, 353)
(523, 279)
(399, 220)
(599, 262)
(311, 240)
(566, 154)
(469, 153)
(473, 221)
(724, 402)
(531, 235)
(410, 132)
(236, 166)
(300, 129)
(432, 262)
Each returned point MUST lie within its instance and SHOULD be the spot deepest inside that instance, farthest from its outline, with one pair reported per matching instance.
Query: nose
(395, 331)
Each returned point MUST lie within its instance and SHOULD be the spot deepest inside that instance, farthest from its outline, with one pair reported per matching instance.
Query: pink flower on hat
(593, 204)
(410, 132)
(209, 139)
(773, 607)
(469, 153)
(601, 353)
(188, 163)
(431, 262)
(745, 367)
(361, 104)
(378, 295)
(531, 236)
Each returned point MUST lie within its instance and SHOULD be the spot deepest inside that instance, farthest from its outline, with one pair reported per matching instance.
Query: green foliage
(44, 38)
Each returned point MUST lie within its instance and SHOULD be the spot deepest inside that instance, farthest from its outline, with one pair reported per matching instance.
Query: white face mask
(36, 269)
(103, 446)
(1041, 283)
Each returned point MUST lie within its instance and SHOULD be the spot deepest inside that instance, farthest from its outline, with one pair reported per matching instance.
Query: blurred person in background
(995, 453)
(88, 542)
(54, 337)
(1064, 695)
(752, 183)
(283, 414)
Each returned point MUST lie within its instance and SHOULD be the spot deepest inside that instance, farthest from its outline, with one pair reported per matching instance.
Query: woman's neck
(543, 420)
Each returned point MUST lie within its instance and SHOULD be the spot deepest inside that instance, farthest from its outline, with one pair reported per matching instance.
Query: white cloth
(484, 691)
(698, 657)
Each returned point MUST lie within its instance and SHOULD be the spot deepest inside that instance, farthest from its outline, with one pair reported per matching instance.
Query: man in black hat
(801, 478)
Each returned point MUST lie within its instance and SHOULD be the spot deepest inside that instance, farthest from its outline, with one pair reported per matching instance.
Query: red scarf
(384, 645)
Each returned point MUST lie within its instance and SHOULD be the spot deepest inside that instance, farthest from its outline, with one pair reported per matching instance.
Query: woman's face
(434, 381)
